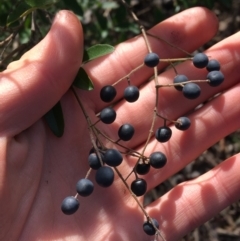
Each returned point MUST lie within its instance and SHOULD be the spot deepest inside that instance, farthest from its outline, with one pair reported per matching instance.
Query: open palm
(38, 170)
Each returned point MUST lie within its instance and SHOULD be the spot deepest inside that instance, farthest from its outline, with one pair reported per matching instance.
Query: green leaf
(96, 51)
(74, 6)
(55, 120)
(82, 80)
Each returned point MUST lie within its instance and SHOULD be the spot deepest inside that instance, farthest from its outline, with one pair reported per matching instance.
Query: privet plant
(102, 160)
(105, 161)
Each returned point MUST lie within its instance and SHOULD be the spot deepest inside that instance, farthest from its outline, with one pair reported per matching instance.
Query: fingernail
(63, 14)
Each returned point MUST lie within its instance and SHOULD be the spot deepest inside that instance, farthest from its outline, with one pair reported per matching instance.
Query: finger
(129, 55)
(33, 84)
(192, 203)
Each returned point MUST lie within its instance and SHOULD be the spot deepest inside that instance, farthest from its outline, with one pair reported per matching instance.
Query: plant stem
(91, 128)
(172, 45)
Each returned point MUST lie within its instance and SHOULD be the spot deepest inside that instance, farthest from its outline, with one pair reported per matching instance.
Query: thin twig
(91, 128)
(129, 74)
(170, 44)
(6, 40)
(182, 83)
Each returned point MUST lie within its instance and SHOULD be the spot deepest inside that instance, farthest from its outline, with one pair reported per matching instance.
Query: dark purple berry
(131, 93)
(157, 160)
(84, 187)
(183, 123)
(70, 205)
(163, 134)
(108, 93)
(200, 60)
(151, 60)
(139, 187)
(113, 157)
(191, 91)
(142, 168)
(94, 161)
(126, 132)
(179, 79)
(215, 78)
(108, 115)
(104, 176)
(149, 228)
(213, 64)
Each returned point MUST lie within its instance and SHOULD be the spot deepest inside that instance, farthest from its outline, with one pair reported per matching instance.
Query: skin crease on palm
(38, 170)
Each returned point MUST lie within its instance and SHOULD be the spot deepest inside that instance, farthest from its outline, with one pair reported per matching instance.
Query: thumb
(30, 86)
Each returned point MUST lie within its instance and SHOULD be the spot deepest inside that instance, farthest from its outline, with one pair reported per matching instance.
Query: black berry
(157, 160)
(215, 78)
(108, 115)
(104, 176)
(183, 123)
(179, 79)
(94, 161)
(149, 228)
(200, 60)
(108, 93)
(142, 168)
(163, 134)
(213, 64)
(131, 93)
(70, 205)
(113, 157)
(84, 187)
(139, 187)
(151, 60)
(191, 90)
(126, 132)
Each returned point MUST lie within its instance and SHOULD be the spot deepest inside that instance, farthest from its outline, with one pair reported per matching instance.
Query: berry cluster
(214, 78)
(105, 160)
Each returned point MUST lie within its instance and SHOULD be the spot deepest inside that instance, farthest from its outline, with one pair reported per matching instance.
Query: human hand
(38, 170)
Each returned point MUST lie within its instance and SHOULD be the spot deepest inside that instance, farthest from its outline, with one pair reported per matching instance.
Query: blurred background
(109, 22)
